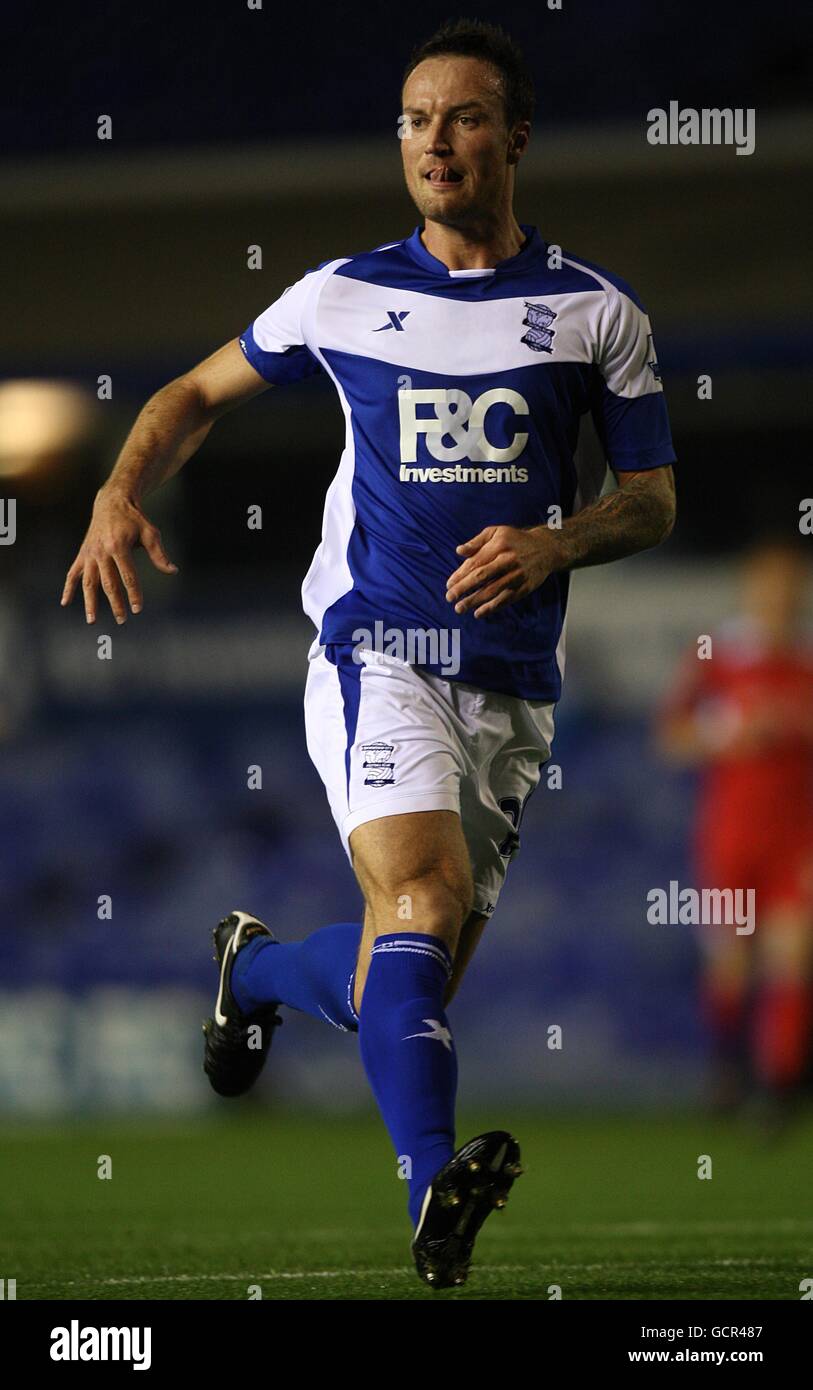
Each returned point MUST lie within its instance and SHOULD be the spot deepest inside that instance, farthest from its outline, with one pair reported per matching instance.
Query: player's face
(458, 153)
(775, 589)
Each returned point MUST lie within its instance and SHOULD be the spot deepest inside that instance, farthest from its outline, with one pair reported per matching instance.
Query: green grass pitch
(309, 1207)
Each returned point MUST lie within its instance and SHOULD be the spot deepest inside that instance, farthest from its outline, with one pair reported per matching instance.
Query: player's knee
(785, 957)
(436, 903)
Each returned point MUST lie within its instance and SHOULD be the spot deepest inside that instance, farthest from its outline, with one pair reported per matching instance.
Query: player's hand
(760, 728)
(117, 526)
(502, 564)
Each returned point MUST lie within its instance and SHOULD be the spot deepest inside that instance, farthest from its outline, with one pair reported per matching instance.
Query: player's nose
(437, 140)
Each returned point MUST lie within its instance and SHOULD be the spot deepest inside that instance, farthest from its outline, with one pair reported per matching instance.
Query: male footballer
(464, 357)
(744, 718)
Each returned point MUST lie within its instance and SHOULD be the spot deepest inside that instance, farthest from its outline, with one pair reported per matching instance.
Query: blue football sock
(315, 976)
(409, 1055)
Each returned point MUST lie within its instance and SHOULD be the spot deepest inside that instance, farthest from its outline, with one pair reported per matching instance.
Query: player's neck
(473, 248)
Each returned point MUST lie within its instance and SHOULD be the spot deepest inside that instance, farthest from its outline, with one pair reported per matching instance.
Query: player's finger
(90, 589)
(129, 578)
(71, 580)
(151, 541)
(488, 552)
(478, 576)
(471, 547)
(112, 588)
(505, 596)
(502, 584)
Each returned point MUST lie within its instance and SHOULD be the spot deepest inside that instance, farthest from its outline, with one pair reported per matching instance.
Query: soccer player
(464, 357)
(745, 717)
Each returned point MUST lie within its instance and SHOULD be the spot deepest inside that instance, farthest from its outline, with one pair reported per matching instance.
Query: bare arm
(505, 563)
(170, 428)
(695, 736)
(639, 515)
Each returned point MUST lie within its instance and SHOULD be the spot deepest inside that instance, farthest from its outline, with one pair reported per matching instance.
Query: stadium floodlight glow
(40, 420)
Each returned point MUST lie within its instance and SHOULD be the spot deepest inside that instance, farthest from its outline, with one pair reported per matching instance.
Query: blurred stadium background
(127, 777)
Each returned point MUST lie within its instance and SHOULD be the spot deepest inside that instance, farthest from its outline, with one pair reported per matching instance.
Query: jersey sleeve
(275, 343)
(628, 407)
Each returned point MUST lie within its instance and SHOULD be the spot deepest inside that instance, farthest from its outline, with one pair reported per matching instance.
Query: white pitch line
(619, 1266)
(255, 1278)
(785, 1225)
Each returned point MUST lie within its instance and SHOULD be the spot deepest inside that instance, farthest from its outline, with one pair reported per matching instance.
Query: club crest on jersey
(377, 763)
(538, 320)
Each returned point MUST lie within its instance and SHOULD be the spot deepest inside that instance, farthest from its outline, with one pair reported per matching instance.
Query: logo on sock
(437, 1031)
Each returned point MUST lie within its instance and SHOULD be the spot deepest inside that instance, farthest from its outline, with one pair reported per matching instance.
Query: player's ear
(518, 141)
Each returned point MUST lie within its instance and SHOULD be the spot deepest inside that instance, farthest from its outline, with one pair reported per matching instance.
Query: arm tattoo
(637, 516)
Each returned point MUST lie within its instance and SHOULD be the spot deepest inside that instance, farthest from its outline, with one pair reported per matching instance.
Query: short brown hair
(474, 38)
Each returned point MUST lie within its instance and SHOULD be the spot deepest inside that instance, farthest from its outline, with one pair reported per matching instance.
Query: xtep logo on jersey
(396, 320)
(463, 421)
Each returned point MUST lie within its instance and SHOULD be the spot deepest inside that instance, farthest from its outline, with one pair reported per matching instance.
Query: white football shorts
(388, 738)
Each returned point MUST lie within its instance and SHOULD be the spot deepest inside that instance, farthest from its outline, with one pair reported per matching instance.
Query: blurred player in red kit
(745, 716)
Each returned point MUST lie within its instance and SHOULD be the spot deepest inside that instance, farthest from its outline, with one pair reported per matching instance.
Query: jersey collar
(532, 247)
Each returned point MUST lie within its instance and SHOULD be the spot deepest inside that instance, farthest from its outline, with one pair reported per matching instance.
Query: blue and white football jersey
(462, 392)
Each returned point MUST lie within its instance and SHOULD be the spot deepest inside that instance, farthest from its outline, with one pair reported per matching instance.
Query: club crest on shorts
(538, 320)
(377, 763)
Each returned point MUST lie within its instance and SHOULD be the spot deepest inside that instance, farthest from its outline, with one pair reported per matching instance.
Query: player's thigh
(726, 862)
(784, 943)
(784, 935)
(414, 871)
(387, 742)
(726, 960)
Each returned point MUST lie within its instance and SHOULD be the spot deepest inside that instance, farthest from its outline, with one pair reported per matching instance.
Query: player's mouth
(443, 177)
